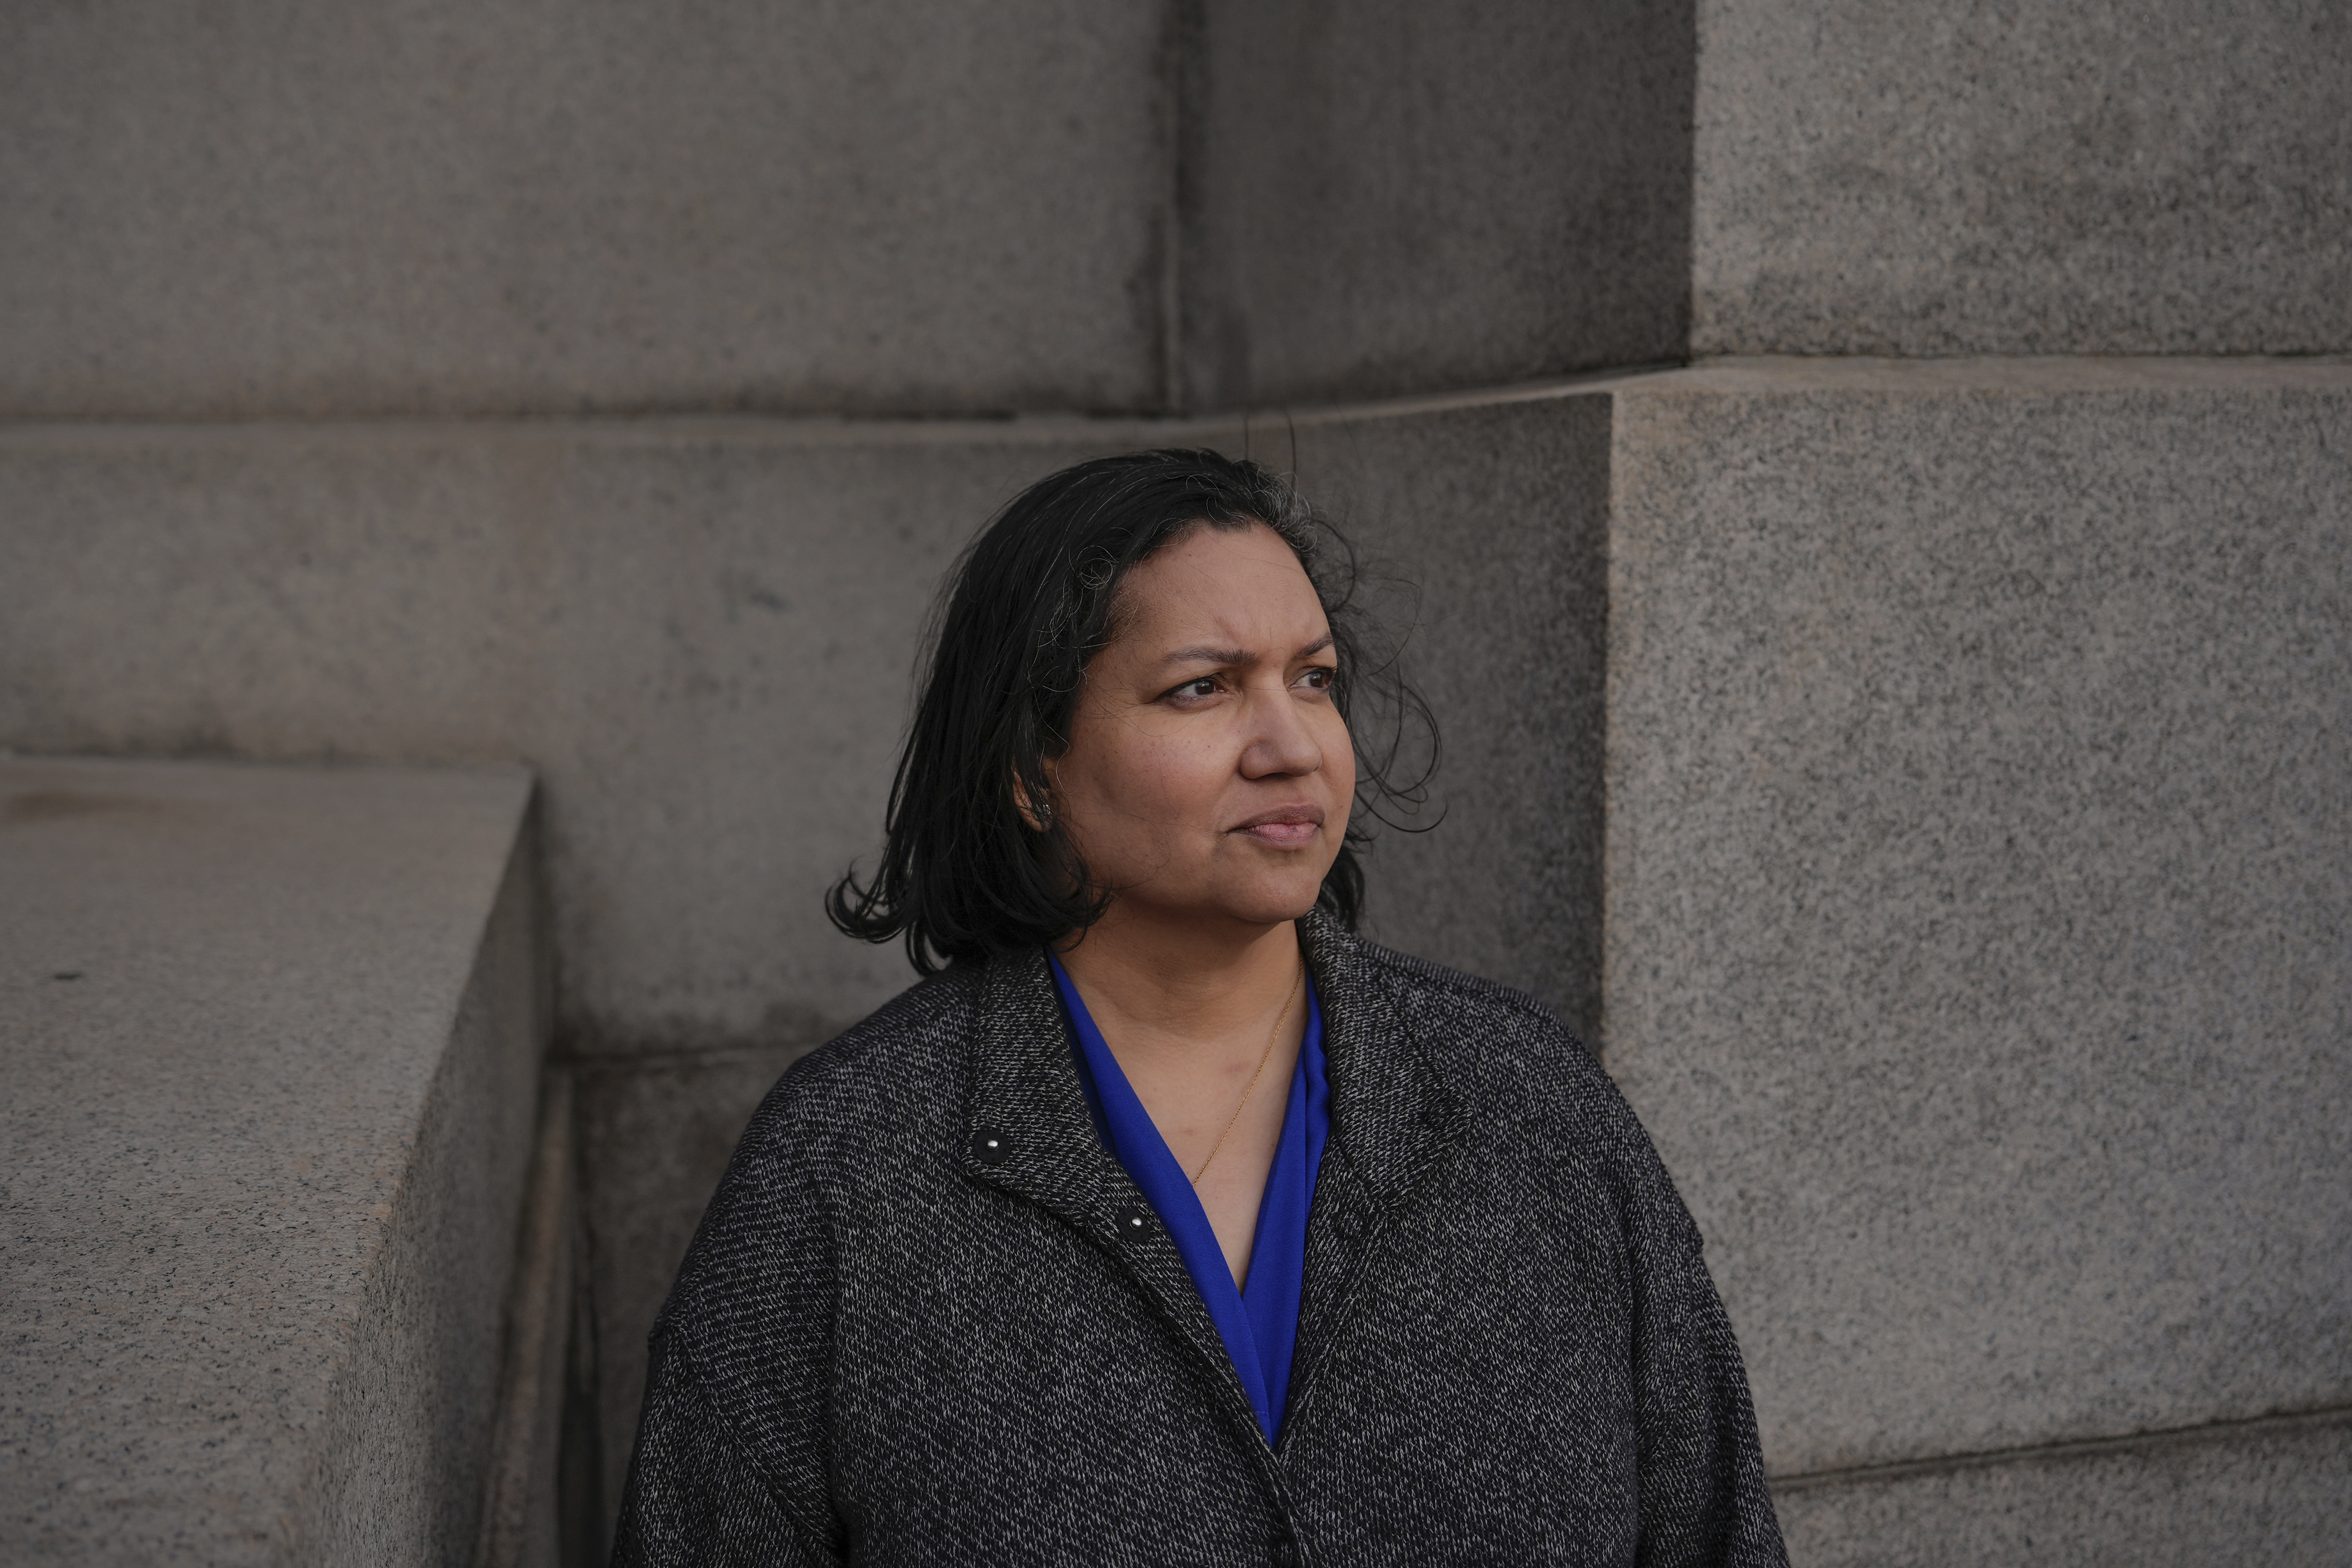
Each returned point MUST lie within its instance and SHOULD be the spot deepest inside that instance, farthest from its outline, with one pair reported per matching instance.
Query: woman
(1166, 1220)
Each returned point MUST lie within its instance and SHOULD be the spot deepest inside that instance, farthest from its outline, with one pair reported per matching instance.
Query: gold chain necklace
(1267, 1055)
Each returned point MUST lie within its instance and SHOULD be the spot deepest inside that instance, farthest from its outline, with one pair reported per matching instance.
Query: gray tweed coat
(929, 1320)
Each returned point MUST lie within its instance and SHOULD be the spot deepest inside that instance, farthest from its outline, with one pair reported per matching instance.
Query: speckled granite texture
(1390, 197)
(1926, 177)
(2275, 1493)
(1483, 535)
(697, 633)
(1979, 882)
(525, 207)
(701, 633)
(270, 1039)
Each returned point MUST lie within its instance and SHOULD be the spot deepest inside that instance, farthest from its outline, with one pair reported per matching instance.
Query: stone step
(271, 1038)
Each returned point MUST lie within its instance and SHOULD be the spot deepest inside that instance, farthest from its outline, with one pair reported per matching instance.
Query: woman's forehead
(1220, 585)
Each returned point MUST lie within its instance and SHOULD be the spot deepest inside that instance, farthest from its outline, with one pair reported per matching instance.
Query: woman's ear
(1037, 813)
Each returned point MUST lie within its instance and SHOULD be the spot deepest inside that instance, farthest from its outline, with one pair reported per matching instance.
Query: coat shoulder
(900, 1063)
(1476, 1000)
(859, 1113)
(1500, 1051)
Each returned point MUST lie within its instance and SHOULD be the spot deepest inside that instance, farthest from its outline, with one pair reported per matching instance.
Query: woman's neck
(1159, 992)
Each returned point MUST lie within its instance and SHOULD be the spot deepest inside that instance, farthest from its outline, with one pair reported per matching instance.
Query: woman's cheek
(1184, 779)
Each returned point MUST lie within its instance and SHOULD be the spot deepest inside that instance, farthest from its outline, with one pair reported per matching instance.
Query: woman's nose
(1280, 742)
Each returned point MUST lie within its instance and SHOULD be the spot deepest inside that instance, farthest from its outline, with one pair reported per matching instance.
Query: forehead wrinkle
(1210, 653)
(1206, 653)
(1175, 592)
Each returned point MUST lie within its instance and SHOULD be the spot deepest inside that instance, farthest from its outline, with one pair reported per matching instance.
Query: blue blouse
(1259, 1325)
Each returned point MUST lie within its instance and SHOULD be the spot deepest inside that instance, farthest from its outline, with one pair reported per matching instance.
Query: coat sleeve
(697, 1492)
(1703, 1495)
(734, 1456)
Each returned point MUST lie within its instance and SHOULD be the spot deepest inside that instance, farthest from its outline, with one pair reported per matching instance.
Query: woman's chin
(1271, 904)
(1260, 894)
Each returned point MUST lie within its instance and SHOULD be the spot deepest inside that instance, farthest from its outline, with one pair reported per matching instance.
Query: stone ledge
(2033, 374)
(2265, 1491)
(271, 1038)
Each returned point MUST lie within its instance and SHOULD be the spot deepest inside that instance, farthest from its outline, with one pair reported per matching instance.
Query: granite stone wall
(1977, 865)
(1914, 774)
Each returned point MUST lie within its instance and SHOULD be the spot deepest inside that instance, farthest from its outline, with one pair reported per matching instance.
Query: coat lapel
(1391, 1121)
(1027, 1132)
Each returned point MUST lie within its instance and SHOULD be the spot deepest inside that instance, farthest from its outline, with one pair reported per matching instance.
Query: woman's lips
(1285, 826)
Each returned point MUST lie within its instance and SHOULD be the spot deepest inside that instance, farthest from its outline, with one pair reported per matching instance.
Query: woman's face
(1208, 774)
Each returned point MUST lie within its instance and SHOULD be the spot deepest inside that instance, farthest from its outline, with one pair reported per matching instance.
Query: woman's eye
(1320, 679)
(1205, 687)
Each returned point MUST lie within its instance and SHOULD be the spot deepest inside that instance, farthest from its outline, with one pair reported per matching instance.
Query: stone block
(659, 1132)
(1979, 873)
(701, 636)
(271, 1039)
(1483, 533)
(1926, 179)
(1391, 198)
(2271, 1492)
(429, 207)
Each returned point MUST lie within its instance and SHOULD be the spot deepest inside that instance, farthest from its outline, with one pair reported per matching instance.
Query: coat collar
(1027, 1132)
(1391, 1121)
(1391, 1114)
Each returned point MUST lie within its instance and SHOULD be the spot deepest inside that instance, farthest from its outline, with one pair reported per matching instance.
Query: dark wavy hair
(964, 874)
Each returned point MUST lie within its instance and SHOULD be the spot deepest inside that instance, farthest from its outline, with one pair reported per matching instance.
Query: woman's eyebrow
(1204, 653)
